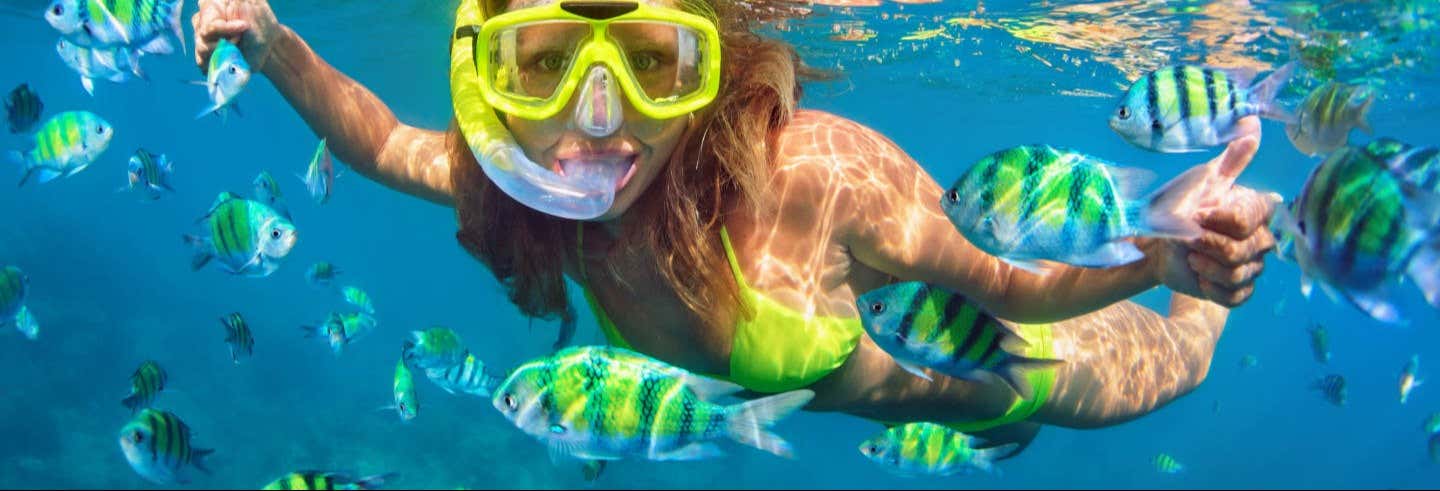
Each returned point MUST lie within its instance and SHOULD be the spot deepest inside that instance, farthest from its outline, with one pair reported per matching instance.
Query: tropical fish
(238, 336)
(23, 108)
(1190, 108)
(436, 347)
(149, 174)
(340, 330)
(321, 274)
(1432, 423)
(1324, 120)
(247, 237)
(592, 469)
(319, 177)
(1332, 387)
(25, 323)
(1320, 343)
(1249, 361)
(142, 24)
(147, 382)
(267, 191)
(1408, 382)
(929, 449)
(1434, 446)
(157, 445)
(113, 64)
(65, 144)
(469, 376)
(1166, 464)
(406, 402)
(358, 298)
(1419, 166)
(13, 286)
(328, 480)
(225, 78)
(922, 325)
(1357, 227)
(1035, 202)
(607, 403)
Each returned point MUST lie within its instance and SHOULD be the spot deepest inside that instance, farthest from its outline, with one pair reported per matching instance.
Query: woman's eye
(644, 61)
(552, 62)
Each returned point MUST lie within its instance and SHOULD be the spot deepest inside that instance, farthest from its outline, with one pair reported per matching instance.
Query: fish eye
(99, 130)
(233, 70)
(138, 437)
(872, 449)
(877, 307)
(509, 402)
(1155, 125)
(1124, 112)
(57, 9)
(275, 234)
(953, 196)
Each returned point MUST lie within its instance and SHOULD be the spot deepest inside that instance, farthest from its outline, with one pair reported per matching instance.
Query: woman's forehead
(521, 4)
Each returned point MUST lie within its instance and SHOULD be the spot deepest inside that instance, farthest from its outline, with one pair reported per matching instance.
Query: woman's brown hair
(723, 160)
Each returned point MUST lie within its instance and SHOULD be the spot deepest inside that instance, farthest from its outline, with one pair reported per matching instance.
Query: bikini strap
(734, 263)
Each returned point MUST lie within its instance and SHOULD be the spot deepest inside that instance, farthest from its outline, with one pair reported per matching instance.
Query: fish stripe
(907, 321)
(972, 334)
(1179, 77)
(1210, 92)
(1152, 100)
(1230, 91)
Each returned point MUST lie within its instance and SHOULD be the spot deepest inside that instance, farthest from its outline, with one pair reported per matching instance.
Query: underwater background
(111, 286)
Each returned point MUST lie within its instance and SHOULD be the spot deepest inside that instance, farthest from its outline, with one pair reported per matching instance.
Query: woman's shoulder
(816, 137)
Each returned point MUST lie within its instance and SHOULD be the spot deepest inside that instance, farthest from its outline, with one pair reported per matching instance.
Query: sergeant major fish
(65, 144)
(929, 449)
(112, 64)
(147, 382)
(246, 237)
(311, 479)
(225, 78)
(436, 347)
(1324, 120)
(157, 445)
(1190, 108)
(23, 108)
(141, 24)
(149, 174)
(407, 404)
(470, 376)
(238, 336)
(339, 330)
(319, 176)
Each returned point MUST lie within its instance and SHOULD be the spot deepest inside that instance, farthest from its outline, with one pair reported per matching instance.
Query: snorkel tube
(583, 193)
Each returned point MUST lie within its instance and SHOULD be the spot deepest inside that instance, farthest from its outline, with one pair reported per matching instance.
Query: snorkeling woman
(653, 152)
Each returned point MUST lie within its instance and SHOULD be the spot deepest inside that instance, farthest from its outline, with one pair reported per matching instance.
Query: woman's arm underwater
(360, 129)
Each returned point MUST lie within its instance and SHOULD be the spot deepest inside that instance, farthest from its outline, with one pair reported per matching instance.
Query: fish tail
(1424, 270)
(1263, 94)
(310, 331)
(202, 251)
(132, 402)
(197, 457)
(374, 482)
(1362, 116)
(747, 422)
(175, 26)
(1167, 211)
(25, 168)
(984, 458)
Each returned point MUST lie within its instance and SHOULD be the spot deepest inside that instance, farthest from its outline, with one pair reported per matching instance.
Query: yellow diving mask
(530, 62)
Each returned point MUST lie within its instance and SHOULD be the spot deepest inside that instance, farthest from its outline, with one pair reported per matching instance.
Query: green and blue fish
(1357, 227)
(322, 274)
(23, 108)
(64, 145)
(606, 403)
(1165, 464)
(1320, 343)
(112, 64)
(1332, 387)
(27, 325)
(225, 78)
(1191, 108)
(1419, 166)
(146, 383)
(238, 336)
(157, 445)
(14, 284)
(246, 237)
(358, 298)
(323, 480)
(319, 176)
(339, 330)
(922, 325)
(929, 449)
(470, 376)
(407, 403)
(140, 24)
(1326, 116)
(1408, 378)
(1432, 424)
(436, 347)
(1038, 202)
(149, 174)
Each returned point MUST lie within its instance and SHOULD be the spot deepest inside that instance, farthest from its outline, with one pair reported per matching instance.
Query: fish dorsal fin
(708, 389)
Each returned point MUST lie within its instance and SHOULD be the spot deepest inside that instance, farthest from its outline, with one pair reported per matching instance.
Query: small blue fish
(112, 64)
(358, 298)
(23, 108)
(1408, 379)
(25, 322)
(247, 237)
(320, 175)
(225, 78)
(339, 330)
(267, 191)
(1165, 464)
(14, 284)
(322, 274)
(142, 24)
(157, 445)
(1190, 108)
(149, 174)
(1332, 387)
(65, 144)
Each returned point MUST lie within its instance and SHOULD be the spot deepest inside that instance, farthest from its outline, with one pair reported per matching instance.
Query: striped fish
(929, 449)
(1417, 165)
(339, 330)
(469, 376)
(149, 174)
(606, 403)
(328, 480)
(1165, 464)
(247, 237)
(1408, 380)
(358, 298)
(114, 64)
(147, 382)
(238, 336)
(1035, 202)
(1433, 445)
(157, 445)
(27, 325)
(1326, 116)
(406, 402)
(1332, 387)
(436, 347)
(65, 144)
(13, 286)
(1190, 109)
(1320, 343)
(321, 274)
(225, 78)
(141, 24)
(23, 108)
(1432, 424)
(320, 175)
(267, 191)
(592, 469)
(922, 325)
(1356, 227)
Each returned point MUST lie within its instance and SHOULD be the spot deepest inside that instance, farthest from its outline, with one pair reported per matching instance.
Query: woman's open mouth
(618, 167)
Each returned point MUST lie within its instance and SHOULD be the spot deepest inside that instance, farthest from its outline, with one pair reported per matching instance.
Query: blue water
(111, 286)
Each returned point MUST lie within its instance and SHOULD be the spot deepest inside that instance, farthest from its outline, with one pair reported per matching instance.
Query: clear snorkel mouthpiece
(597, 109)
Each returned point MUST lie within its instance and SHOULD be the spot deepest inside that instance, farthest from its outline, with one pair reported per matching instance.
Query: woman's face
(647, 142)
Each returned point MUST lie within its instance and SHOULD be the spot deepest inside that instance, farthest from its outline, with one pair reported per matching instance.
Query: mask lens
(666, 60)
(530, 61)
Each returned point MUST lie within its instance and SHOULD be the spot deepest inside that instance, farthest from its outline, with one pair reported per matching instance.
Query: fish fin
(1031, 267)
(176, 16)
(1307, 285)
(567, 329)
(212, 109)
(1115, 253)
(132, 402)
(747, 422)
(114, 22)
(135, 66)
(914, 370)
(88, 84)
(44, 175)
(1017, 367)
(197, 458)
(1263, 94)
(707, 388)
(202, 251)
(1362, 116)
(1377, 304)
(235, 107)
(559, 451)
(1424, 270)
(1422, 207)
(1166, 212)
(25, 169)
(201, 83)
(310, 331)
(375, 481)
(1242, 77)
(1130, 183)
(984, 458)
(158, 46)
(693, 451)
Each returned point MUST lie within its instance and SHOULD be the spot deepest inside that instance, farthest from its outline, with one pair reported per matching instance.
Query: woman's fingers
(1224, 275)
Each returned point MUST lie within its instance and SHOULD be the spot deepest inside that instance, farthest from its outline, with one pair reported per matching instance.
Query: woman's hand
(1222, 264)
(250, 24)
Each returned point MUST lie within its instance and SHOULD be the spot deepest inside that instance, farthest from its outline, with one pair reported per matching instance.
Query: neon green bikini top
(776, 349)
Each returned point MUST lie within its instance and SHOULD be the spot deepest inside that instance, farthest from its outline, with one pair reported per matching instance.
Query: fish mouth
(620, 165)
